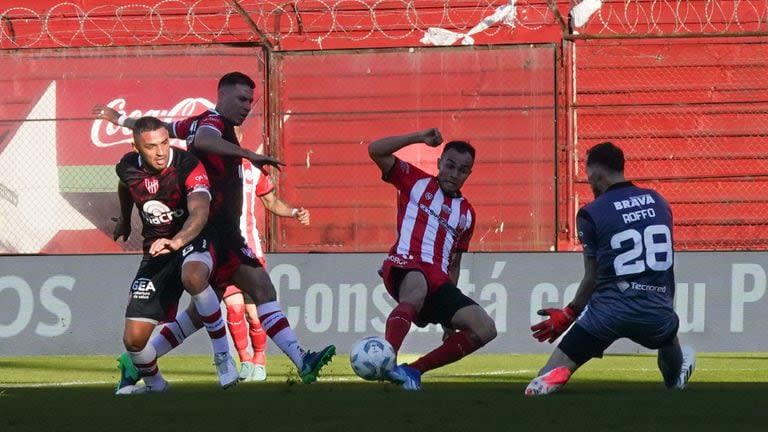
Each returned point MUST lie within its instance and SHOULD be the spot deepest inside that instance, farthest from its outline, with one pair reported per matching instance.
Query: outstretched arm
(382, 150)
(208, 141)
(560, 319)
(106, 113)
(279, 207)
(205, 140)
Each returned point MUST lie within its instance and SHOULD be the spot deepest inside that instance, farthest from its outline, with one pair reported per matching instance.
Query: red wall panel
(331, 105)
(691, 117)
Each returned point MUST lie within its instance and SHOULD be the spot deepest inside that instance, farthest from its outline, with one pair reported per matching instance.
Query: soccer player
(628, 285)
(242, 316)
(211, 136)
(435, 223)
(170, 189)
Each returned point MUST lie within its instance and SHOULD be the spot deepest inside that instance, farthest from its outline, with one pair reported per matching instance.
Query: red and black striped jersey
(161, 197)
(225, 172)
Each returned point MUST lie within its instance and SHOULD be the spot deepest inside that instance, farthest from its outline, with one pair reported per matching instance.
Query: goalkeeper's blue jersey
(628, 230)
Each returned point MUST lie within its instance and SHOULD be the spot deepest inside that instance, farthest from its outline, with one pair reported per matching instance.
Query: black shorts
(580, 345)
(157, 288)
(231, 252)
(440, 306)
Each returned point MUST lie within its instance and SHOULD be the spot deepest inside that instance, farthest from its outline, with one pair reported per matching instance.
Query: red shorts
(392, 273)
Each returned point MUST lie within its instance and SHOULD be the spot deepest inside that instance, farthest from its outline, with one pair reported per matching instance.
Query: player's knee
(235, 312)
(133, 344)
(194, 282)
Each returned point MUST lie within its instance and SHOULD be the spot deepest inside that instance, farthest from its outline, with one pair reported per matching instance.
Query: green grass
(729, 392)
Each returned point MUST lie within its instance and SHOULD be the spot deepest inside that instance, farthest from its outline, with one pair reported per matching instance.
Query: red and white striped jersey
(430, 225)
(256, 183)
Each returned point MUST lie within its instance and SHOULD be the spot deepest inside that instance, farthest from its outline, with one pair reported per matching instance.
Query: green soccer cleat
(129, 374)
(314, 361)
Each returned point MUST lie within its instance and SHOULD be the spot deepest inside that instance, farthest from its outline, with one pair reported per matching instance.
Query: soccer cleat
(548, 383)
(129, 374)
(259, 373)
(686, 370)
(143, 389)
(312, 362)
(406, 376)
(246, 370)
(226, 369)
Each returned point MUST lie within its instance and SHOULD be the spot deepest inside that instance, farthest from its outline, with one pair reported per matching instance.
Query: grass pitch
(728, 392)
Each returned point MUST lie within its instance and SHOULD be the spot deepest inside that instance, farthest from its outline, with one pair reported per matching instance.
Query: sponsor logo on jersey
(624, 285)
(151, 184)
(634, 201)
(400, 260)
(405, 167)
(142, 289)
(444, 223)
(157, 213)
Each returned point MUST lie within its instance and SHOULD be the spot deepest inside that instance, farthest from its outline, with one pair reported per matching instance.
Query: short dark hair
(461, 147)
(233, 78)
(607, 155)
(146, 124)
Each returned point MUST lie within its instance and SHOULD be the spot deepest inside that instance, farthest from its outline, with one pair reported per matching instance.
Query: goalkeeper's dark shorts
(581, 343)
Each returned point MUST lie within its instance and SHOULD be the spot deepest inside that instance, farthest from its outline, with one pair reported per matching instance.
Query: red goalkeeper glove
(558, 322)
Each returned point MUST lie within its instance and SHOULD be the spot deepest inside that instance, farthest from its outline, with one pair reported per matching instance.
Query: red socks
(238, 329)
(453, 348)
(398, 324)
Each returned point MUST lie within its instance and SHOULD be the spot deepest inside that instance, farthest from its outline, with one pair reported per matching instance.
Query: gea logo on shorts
(57, 316)
(142, 288)
(157, 213)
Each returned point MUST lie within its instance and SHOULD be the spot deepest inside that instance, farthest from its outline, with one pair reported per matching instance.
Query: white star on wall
(29, 176)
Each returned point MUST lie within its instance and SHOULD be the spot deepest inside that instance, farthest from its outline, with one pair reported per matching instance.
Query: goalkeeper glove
(558, 322)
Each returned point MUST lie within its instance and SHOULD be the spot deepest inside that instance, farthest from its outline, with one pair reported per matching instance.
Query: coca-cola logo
(105, 134)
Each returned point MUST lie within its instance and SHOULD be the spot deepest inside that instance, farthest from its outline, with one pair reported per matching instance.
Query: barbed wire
(679, 17)
(68, 24)
(172, 21)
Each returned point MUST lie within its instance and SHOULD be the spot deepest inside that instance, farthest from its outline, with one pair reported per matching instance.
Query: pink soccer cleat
(548, 383)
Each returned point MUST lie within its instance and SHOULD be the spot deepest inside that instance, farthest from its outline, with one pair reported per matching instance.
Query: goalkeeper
(628, 286)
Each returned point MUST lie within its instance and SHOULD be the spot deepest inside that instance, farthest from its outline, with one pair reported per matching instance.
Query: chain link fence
(692, 118)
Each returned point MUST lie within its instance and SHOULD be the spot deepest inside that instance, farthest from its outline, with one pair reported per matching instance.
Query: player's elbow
(372, 151)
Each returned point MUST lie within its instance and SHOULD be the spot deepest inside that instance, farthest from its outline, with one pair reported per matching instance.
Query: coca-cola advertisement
(57, 161)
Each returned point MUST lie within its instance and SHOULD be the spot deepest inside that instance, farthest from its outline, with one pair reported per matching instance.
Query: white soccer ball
(372, 358)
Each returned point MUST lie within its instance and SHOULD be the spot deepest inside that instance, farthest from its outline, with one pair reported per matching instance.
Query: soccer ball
(372, 358)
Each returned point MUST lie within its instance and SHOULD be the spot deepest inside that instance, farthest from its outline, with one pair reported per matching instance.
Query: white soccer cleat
(548, 383)
(143, 389)
(259, 373)
(226, 369)
(126, 390)
(686, 370)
